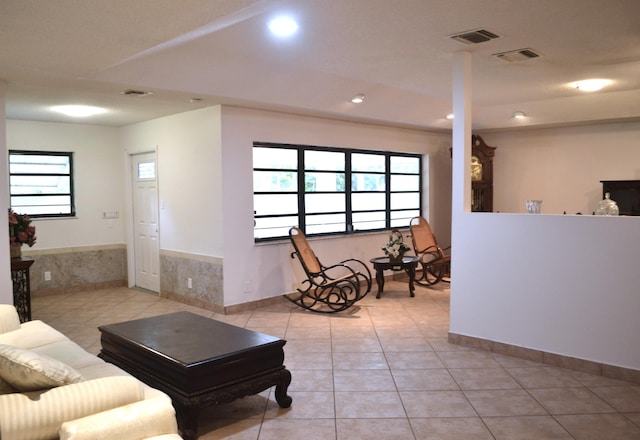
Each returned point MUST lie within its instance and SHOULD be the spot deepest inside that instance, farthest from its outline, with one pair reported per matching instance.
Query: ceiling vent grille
(517, 55)
(474, 37)
(131, 92)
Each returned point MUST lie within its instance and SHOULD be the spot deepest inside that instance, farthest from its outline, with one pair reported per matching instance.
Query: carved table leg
(282, 398)
(412, 275)
(380, 280)
(187, 417)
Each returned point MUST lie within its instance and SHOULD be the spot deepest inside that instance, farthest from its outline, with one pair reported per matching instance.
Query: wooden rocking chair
(435, 262)
(327, 289)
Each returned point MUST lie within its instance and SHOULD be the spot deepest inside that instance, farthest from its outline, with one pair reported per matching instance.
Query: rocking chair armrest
(429, 250)
(361, 264)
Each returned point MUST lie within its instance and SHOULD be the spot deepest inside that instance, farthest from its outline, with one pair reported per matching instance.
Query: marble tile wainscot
(77, 269)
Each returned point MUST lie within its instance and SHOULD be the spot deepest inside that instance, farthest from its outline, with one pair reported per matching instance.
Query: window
(41, 183)
(332, 190)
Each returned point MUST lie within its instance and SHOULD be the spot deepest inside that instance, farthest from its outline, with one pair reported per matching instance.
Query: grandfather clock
(481, 175)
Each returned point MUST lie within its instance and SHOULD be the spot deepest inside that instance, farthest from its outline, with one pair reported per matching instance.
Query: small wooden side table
(21, 286)
(408, 264)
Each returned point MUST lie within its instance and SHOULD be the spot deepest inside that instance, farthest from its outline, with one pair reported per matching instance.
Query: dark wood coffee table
(197, 361)
(408, 264)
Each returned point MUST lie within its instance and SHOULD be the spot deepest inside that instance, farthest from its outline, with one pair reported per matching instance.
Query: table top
(19, 263)
(406, 259)
(180, 336)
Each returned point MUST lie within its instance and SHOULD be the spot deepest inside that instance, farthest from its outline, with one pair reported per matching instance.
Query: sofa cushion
(26, 370)
(9, 319)
(32, 334)
(38, 415)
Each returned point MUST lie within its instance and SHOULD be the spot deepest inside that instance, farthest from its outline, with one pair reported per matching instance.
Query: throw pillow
(26, 370)
(5, 388)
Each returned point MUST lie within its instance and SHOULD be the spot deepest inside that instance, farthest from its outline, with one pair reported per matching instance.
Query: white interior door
(145, 219)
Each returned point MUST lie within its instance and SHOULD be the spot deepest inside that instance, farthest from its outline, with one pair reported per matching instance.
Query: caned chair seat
(435, 261)
(327, 289)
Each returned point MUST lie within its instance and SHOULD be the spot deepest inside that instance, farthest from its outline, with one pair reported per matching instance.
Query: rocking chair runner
(329, 289)
(435, 262)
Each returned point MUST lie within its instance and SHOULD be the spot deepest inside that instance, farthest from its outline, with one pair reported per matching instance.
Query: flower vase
(397, 259)
(15, 250)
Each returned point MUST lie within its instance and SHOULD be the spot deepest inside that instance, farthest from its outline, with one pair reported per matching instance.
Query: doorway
(145, 222)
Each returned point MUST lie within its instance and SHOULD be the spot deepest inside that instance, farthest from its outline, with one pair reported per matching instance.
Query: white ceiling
(396, 52)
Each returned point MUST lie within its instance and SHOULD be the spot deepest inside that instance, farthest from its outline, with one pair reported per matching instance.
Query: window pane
(323, 160)
(367, 162)
(363, 221)
(39, 164)
(41, 205)
(40, 184)
(278, 158)
(42, 210)
(401, 219)
(270, 204)
(319, 224)
(402, 164)
(407, 214)
(367, 182)
(405, 183)
(367, 201)
(146, 170)
(274, 226)
(273, 181)
(314, 182)
(315, 203)
(405, 201)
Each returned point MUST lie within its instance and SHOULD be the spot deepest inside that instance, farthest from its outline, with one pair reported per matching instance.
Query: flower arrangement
(396, 247)
(20, 229)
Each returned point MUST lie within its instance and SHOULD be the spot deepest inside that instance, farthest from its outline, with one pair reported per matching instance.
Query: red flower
(20, 229)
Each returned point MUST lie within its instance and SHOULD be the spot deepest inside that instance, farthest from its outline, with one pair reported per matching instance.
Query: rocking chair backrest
(421, 235)
(305, 253)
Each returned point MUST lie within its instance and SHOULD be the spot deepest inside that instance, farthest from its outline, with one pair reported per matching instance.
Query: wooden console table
(21, 286)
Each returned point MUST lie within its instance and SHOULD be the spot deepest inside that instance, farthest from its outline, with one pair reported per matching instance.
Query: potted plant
(20, 232)
(396, 247)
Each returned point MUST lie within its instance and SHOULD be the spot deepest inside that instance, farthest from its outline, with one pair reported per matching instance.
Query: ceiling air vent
(517, 55)
(474, 37)
(131, 92)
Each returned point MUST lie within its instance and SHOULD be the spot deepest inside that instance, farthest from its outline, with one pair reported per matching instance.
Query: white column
(6, 286)
(461, 172)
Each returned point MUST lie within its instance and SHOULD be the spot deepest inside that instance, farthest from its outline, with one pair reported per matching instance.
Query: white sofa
(50, 388)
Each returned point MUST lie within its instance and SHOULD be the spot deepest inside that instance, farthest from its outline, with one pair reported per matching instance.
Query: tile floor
(384, 372)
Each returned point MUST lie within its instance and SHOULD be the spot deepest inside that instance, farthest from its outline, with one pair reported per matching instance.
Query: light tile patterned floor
(383, 372)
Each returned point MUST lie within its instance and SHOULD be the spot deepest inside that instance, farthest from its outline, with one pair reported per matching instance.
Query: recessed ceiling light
(519, 115)
(358, 99)
(283, 26)
(78, 111)
(591, 85)
(450, 116)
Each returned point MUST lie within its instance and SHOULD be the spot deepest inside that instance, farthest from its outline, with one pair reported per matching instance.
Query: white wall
(267, 270)
(189, 172)
(562, 284)
(562, 166)
(98, 181)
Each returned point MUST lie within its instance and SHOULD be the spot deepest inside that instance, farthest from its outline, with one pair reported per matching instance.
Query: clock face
(476, 169)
